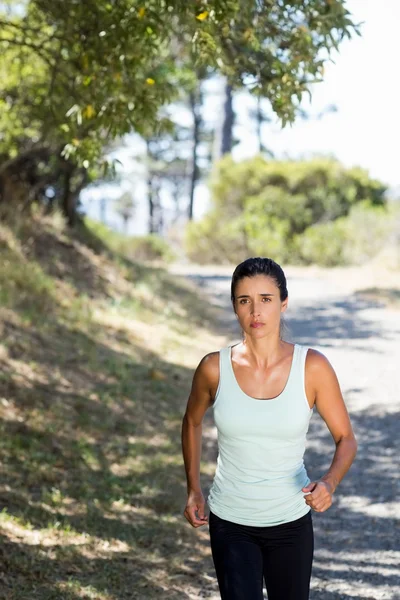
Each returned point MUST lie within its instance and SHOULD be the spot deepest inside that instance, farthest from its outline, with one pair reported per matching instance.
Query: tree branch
(37, 49)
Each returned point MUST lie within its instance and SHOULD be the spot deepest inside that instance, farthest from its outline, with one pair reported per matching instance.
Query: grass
(95, 368)
(96, 358)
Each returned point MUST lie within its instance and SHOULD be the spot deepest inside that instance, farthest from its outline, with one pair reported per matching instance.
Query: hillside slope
(96, 358)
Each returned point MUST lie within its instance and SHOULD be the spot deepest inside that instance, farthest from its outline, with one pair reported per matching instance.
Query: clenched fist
(318, 495)
(195, 504)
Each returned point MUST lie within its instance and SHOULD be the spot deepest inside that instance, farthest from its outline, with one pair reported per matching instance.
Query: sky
(363, 83)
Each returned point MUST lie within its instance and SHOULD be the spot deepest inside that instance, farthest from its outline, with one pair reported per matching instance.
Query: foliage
(76, 75)
(125, 207)
(111, 59)
(149, 247)
(369, 230)
(212, 241)
(290, 210)
(144, 248)
(276, 49)
(323, 244)
(89, 431)
(354, 239)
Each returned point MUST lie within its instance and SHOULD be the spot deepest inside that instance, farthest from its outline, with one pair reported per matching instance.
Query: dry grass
(96, 359)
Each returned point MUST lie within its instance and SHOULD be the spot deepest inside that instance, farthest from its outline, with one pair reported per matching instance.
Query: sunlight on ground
(94, 385)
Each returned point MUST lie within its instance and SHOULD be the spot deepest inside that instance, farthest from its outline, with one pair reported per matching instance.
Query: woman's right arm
(205, 382)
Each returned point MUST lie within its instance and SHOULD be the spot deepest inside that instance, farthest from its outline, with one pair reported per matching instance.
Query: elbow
(354, 447)
(188, 421)
(184, 422)
(349, 441)
(351, 444)
(354, 442)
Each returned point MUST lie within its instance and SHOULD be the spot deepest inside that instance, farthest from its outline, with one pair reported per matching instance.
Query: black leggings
(244, 555)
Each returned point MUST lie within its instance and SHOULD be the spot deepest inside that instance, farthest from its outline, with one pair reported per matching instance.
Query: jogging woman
(263, 391)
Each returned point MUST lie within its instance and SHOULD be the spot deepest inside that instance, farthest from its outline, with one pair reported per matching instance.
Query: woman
(263, 391)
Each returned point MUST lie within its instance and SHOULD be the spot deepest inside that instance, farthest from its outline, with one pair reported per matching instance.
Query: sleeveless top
(260, 469)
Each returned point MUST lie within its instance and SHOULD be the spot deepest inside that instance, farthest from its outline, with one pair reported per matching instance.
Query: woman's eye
(245, 300)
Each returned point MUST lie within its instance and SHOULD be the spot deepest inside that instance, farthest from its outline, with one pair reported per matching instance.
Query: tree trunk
(229, 119)
(103, 218)
(259, 123)
(150, 190)
(151, 204)
(68, 199)
(195, 106)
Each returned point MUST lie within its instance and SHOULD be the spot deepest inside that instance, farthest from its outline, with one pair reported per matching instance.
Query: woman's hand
(318, 495)
(195, 503)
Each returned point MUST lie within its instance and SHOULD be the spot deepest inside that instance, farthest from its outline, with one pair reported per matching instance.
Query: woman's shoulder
(317, 362)
(209, 366)
(210, 360)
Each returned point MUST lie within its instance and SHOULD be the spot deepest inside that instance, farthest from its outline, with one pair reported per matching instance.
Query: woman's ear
(284, 305)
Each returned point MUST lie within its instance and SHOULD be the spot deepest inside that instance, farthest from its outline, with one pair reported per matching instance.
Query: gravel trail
(357, 541)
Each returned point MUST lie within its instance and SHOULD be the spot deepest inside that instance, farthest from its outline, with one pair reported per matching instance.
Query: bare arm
(204, 384)
(330, 405)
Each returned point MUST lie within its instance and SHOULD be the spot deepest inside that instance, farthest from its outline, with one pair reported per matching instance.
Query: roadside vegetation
(97, 353)
(298, 212)
(98, 338)
(96, 357)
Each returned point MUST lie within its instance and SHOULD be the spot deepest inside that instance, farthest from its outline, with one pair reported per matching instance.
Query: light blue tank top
(260, 469)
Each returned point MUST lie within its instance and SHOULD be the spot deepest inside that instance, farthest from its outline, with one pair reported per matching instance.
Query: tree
(260, 116)
(125, 207)
(229, 119)
(100, 69)
(196, 102)
(202, 138)
(261, 206)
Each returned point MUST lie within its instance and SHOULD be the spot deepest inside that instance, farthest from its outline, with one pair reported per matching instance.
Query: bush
(211, 241)
(149, 247)
(351, 240)
(289, 210)
(368, 230)
(323, 244)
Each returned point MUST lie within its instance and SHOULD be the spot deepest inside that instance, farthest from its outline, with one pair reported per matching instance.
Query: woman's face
(258, 305)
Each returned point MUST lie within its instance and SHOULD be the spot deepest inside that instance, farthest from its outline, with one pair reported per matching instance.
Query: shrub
(212, 241)
(351, 240)
(149, 247)
(369, 228)
(289, 210)
(323, 244)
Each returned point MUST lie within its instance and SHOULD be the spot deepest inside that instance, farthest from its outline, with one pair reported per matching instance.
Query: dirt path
(358, 539)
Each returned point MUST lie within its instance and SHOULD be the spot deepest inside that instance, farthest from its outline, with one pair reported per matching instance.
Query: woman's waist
(259, 514)
(265, 494)
(279, 471)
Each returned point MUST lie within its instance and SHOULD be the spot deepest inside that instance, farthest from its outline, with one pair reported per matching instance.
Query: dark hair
(260, 266)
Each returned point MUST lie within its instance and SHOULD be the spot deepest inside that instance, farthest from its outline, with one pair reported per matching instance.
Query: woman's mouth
(256, 325)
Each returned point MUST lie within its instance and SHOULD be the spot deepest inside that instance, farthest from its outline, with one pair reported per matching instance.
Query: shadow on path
(322, 322)
(357, 540)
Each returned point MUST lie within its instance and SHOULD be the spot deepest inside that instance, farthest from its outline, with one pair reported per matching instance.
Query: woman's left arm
(330, 405)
